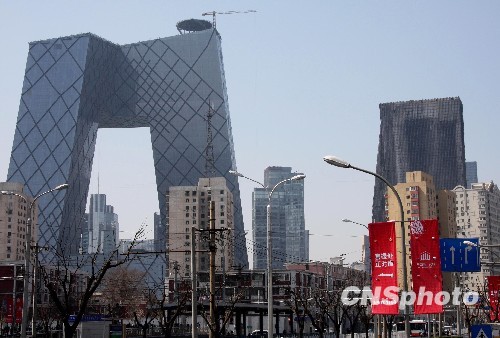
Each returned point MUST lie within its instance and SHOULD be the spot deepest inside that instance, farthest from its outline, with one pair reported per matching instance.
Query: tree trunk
(69, 330)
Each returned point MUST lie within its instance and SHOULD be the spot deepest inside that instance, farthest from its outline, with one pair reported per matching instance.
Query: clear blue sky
(304, 80)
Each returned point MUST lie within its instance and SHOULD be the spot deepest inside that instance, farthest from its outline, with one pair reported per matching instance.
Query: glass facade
(423, 135)
(471, 173)
(290, 240)
(77, 84)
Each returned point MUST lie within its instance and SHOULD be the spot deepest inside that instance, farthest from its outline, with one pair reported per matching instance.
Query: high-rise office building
(189, 206)
(478, 216)
(423, 135)
(290, 240)
(77, 84)
(421, 201)
(14, 213)
(471, 173)
(102, 231)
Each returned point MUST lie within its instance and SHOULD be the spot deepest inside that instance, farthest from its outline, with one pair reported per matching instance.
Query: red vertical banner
(9, 308)
(493, 295)
(384, 268)
(426, 266)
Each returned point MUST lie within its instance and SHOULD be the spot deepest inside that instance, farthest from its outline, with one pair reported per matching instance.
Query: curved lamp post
(27, 254)
(349, 221)
(484, 246)
(270, 326)
(343, 164)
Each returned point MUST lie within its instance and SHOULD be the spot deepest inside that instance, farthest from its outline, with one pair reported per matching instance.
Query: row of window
(202, 193)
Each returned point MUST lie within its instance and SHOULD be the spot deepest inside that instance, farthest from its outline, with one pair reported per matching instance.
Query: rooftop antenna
(209, 150)
(213, 14)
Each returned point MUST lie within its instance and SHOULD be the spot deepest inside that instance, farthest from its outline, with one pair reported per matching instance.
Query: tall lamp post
(349, 221)
(484, 246)
(27, 254)
(270, 326)
(343, 164)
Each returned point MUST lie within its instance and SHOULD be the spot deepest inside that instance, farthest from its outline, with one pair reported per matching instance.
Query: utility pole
(194, 296)
(213, 250)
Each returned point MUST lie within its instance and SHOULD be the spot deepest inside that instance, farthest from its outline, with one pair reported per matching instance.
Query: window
(221, 221)
(222, 192)
(193, 193)
(187, 200)
(186, 193)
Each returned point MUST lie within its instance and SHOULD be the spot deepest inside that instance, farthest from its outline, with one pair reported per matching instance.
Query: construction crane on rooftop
(214, 13)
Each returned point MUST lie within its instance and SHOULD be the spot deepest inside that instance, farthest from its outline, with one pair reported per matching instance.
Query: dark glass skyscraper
(471, 173)
(77, 84)
(290, 240)
(424, 135)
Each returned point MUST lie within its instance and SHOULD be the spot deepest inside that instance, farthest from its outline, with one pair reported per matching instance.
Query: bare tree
(218, 324)
(72, 281)
(297, 302)
(145, 315)
(167, 318)
(48, 315)
(122, 290)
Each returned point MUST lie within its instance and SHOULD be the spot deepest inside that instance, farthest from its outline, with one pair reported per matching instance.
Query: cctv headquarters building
(77, 84)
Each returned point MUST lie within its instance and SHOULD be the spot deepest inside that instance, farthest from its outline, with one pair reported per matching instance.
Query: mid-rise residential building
(478, 216)
(421, 201)
(290, 240)
(420, 135)
(101, 234)
(14, 214)
(189, 206)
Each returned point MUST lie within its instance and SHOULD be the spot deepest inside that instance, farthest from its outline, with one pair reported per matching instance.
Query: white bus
(417, 327)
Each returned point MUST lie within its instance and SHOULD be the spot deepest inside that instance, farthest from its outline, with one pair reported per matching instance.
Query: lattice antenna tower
(209, 150)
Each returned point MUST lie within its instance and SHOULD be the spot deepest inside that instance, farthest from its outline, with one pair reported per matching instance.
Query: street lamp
(270, 327)
(343, 164)
(484, 246)
(27, 254)
(349, 221)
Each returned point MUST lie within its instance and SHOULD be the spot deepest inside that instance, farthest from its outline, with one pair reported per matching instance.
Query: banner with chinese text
(384, 268)
(426, 266)
(493, 294)
(9, 310)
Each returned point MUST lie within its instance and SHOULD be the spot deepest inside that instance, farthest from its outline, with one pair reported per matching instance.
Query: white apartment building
(189, 206)
(14, 213)
(478, 216)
